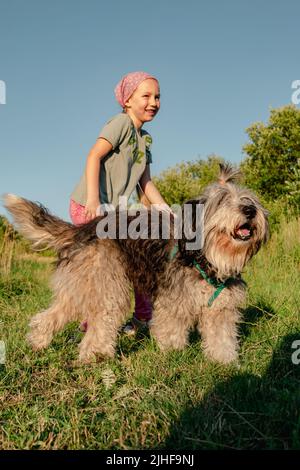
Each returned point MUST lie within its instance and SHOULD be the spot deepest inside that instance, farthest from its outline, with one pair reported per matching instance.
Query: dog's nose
(249, 211)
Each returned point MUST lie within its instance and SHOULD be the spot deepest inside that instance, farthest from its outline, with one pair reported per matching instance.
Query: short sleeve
(148, 143)
(116, 130)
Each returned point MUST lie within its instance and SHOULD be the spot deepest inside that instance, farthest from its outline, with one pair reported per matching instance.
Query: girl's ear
(127, 104)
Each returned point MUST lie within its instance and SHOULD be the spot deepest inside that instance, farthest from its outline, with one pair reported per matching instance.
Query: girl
(119, 161)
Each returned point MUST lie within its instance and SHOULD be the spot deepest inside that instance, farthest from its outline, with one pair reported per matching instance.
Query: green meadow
(145, 399)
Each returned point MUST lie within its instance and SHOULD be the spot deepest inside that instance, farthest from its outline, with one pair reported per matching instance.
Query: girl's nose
(153, 102)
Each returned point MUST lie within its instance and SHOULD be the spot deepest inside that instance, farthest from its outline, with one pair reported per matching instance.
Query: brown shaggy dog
(201, 287)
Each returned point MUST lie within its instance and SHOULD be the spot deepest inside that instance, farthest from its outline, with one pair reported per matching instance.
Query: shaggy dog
(201, 287)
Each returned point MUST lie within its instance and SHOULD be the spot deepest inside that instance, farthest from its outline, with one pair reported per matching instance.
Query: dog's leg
(218, 329)
(45, 324)
(103, 326)
(170, 325)
(100, 339)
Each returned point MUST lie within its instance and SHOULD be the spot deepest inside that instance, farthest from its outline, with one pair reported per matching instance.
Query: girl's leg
(143, 307)
(142, 313)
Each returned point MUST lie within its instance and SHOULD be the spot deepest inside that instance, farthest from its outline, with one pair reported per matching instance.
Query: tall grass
(144, 399)
(6, 250)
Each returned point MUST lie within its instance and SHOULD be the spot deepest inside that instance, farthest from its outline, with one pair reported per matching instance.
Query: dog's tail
(228, 174)
(36, 223)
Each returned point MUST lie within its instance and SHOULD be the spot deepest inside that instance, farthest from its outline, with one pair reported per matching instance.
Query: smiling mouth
(243, 232)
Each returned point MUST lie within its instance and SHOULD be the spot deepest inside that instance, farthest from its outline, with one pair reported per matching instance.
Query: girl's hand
(92, 209)
(166, 208)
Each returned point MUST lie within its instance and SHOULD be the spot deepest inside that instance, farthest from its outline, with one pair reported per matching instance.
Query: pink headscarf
(129, 84)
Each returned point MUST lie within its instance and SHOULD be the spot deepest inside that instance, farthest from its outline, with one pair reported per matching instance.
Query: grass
(144, 399)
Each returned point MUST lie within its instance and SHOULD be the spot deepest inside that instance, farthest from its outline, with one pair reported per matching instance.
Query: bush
(187, 179)
(272, 164)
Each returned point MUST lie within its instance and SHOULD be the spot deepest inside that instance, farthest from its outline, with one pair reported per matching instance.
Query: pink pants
(143, 306)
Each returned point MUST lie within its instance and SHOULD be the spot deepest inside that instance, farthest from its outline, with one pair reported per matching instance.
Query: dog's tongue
(245, 232)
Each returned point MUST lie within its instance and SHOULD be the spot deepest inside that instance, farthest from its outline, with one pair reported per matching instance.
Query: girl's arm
(101, 148)
(149, 188)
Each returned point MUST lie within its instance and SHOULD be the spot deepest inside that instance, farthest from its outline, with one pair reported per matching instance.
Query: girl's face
(144, 103)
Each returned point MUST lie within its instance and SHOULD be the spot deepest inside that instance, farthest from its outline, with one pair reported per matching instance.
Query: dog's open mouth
(243, 232)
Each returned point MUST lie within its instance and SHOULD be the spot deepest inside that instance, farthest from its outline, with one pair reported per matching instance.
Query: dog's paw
(90, 358)
(88, 355)
(37, 341)
(222, 356)
(87, 358)
(166, 346)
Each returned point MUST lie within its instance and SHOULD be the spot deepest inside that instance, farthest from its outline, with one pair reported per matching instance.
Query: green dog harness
(219, 286)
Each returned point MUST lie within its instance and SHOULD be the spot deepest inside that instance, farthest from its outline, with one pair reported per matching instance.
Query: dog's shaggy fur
(94, 277)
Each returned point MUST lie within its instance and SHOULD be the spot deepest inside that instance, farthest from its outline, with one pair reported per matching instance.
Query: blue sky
(221, 65)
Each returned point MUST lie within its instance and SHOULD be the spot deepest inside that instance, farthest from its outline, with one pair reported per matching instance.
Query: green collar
(173, 252)
(212, 281)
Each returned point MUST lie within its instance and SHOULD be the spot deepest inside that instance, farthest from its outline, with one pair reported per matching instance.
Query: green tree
(187, 179)
(272, 164)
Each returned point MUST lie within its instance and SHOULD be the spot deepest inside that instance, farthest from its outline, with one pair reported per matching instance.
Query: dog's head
(234, 224)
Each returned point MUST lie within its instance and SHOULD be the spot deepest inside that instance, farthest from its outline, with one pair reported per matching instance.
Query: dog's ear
(228, 173)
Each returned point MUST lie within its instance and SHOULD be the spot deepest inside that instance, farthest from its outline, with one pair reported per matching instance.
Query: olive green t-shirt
(122, 168)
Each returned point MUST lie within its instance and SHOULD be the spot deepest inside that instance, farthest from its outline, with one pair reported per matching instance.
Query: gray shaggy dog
(199, 288)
